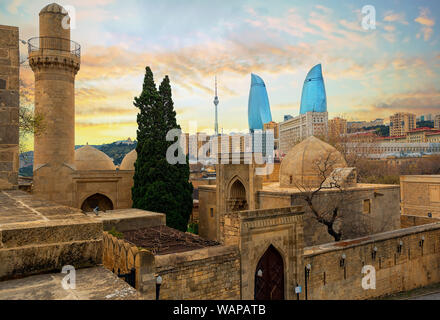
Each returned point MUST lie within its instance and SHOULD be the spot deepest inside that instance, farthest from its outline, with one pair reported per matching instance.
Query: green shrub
(116, 234)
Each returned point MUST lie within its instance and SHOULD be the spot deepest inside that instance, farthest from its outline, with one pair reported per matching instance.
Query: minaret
(55, 61)
(216, 101)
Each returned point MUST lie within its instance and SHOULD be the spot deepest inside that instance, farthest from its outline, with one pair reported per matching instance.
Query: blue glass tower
(313, 97)
(258, 106)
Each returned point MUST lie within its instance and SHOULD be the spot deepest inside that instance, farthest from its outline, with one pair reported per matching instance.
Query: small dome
(88, 158)
(300, 166)
(53, 8)
(128, 161)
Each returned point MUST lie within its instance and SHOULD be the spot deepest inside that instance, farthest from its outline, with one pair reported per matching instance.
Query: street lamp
(373, 254)
(158, 284)
(342, 261)
(260, 273)
(308, 268)
(399, 247)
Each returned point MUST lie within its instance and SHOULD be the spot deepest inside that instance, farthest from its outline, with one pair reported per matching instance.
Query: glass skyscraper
(258, 107)
(313, 97)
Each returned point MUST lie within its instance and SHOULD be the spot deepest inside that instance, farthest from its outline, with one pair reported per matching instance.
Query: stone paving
(91, 284)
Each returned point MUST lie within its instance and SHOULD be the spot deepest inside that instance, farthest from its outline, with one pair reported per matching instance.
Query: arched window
(237, 197)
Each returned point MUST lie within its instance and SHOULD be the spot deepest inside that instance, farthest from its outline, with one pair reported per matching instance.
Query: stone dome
(128, 161)
(88, 158)
(300, 166)
(53, 8)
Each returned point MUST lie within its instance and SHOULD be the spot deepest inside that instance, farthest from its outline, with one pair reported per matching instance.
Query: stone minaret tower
(55, 61)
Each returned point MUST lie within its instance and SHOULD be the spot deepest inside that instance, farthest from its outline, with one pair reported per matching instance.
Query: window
(291, 179)
(367, 206)
(211, 210)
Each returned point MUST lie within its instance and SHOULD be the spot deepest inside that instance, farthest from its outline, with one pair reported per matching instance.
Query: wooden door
(269, 276)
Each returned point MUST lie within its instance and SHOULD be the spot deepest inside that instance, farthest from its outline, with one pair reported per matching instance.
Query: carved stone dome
(128, 161)
(299, 167)
(53, 8)
(88, 158)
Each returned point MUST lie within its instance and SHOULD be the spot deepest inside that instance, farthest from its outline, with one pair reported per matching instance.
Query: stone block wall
(407, 221)
(205, 274)
(420, 195)
(9, 107)
(415, 265)
(40, 247)
(209, 273)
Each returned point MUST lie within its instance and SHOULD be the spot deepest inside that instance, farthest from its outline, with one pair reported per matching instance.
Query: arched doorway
(269, 276)
(237, 197)
(97, 200)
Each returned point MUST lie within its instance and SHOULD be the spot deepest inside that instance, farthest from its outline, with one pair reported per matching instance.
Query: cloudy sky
(368, 73)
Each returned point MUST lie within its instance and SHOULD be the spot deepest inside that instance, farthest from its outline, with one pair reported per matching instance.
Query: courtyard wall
(416, 265)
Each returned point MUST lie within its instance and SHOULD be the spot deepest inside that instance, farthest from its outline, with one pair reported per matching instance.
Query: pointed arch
(237, 195)
(269, 276)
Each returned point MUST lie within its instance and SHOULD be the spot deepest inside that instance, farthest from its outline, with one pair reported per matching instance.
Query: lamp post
(399, 247)
(342, 261)
(158, 284)
(307, 274)
(373, 254)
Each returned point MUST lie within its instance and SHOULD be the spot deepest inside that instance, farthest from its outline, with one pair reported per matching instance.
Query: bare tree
(323, 212)
(335, 204)
(30, 123)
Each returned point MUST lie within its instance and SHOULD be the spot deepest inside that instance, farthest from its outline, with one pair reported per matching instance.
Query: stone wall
(354, 223)
(407, 221)
(209, 273)
(205, 274)
(414, 265)
(9, 107)
(420, 195)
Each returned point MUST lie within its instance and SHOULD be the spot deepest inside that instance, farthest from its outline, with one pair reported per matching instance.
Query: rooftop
(161, 240)
(18, 208)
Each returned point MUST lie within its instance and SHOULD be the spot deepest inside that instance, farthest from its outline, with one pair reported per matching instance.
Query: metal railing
(54, 44)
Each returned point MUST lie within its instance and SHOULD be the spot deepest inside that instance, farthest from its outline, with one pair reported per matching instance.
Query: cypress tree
(158, 185)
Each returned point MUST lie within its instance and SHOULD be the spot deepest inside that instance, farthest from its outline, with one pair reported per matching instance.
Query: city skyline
(368, 74)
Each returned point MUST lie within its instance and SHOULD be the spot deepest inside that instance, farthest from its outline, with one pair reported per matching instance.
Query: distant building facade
(401, 123)
(437, 121)
(303, 126)
(337, 126)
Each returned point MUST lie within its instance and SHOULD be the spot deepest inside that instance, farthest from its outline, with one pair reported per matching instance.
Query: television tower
(216, 101)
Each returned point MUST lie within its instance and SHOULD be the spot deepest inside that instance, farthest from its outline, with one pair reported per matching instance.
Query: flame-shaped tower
(258, 107)
(314, 98)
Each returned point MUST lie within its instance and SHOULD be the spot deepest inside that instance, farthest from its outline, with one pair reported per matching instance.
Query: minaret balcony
(52, 51)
